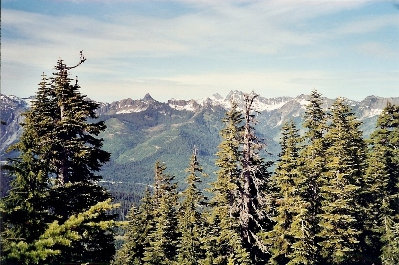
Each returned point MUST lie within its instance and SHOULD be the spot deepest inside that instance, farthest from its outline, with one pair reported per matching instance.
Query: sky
(191, 49)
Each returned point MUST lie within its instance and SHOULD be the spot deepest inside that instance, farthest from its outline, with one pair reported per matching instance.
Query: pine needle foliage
(56, 170)
(224, 244)
(288, 241)
(163, 239)
(340, 222)
(381, 194)
(254, 202)
(48, 248)
(140, 225)
(192, 223)
(311, 169)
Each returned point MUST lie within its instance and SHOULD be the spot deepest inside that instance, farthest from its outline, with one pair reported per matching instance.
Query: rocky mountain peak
(235, 95)
(148, 97)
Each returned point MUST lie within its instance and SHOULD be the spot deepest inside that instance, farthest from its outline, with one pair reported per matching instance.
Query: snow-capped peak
(188, 105)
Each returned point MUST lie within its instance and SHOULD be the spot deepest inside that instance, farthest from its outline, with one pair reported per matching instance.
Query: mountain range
(142, 131)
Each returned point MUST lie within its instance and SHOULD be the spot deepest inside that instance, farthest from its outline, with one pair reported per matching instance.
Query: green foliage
(58, 238)
(56, 172)
(192, 225)
(288, 241)
(381, 194)
(311, 169)
(168, 137)
(390, 240)
(340, 224)
(163, 239)
(224, 245)
(254, 202)
(24, 211)
(325, 204)
(136, 238)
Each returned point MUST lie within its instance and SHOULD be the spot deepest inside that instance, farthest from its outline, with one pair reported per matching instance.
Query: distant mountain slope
(139, 132)
(11, 108)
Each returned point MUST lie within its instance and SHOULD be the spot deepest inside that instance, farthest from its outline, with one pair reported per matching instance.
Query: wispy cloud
(266, 32)
(257, 27)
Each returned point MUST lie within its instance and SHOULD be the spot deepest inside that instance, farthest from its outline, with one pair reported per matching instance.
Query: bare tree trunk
(247, 192)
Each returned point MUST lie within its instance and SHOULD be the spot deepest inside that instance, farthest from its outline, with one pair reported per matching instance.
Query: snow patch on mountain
(369, 113)
(133, 109)
(270, 104)
(187, 105)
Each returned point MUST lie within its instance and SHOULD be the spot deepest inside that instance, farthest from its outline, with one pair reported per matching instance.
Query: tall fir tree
(253, 187)
(340, 218)
(288, 240)
(224, 244)
(24, 211)
(163, 239)
(312, 168)
(76, 156)
(136, 237)
(381, 194)
(192, 226)
(59, 149)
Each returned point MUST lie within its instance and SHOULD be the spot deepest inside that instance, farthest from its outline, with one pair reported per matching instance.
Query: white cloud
(212, 29)
(265, 27)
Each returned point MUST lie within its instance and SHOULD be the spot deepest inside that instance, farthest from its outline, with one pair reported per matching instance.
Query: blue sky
(195, 48)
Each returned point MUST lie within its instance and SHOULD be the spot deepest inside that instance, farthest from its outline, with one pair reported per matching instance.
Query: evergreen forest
(332, 196)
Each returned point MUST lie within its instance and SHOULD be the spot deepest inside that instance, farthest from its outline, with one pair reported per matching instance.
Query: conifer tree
(163, 239)
(47, 249)
(59, 157)
(191, 217)
(390, 240)
(224, 244)
(288, 240)
(381, 193)
(253, 187)
(312, 168)
(340, 224)
(24, 211)
(140, 225)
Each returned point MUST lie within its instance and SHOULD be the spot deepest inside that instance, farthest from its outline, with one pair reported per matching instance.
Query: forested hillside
(140, 132)
(332, 198)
